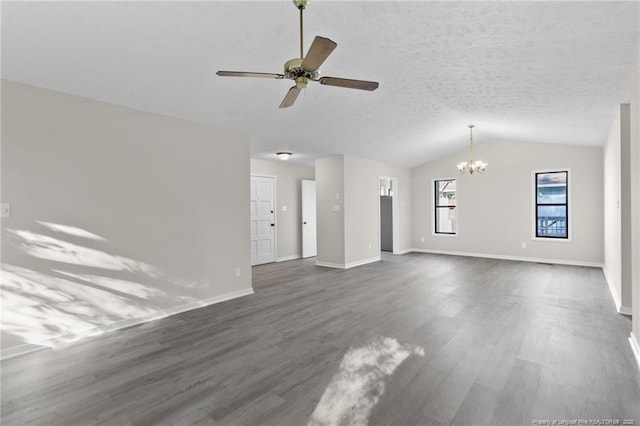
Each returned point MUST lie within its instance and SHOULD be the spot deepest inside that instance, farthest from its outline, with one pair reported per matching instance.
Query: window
(552, 204)
(445, 206)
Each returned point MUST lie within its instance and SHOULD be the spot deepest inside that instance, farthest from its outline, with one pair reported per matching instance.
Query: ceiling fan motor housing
(301, 4)
(293, 70)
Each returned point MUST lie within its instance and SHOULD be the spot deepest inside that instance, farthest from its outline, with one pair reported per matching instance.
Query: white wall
(117, 214)
(494, 210)
(362, 207)
(612, 215)
(635, 204)
(288, 195)
(625, 205)
(330, 222)
(352, 184)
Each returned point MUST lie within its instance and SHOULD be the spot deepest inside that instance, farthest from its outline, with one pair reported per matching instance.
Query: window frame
(434, 195)
(535, 204)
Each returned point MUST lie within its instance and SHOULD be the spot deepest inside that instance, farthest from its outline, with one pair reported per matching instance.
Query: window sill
(435, 234)
(552, 240)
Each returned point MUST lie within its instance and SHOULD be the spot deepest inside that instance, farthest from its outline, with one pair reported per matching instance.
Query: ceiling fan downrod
(301, 5)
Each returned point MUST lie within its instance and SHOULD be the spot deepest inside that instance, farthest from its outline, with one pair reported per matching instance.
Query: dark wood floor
(505, 343)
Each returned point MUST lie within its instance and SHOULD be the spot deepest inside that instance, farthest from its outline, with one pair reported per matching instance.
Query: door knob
(304, 223)
(273, 224)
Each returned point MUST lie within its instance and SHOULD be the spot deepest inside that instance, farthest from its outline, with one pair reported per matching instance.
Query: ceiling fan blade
(348, 83)
(249, 74)
(319, 51)
(290, 97)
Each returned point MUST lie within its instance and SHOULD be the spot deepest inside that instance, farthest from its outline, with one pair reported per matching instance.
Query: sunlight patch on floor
(38, 306)
(64, 290)
(360, 382)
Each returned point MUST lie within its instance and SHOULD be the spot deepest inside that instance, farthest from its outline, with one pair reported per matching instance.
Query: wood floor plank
(515, 404)
(501, 343)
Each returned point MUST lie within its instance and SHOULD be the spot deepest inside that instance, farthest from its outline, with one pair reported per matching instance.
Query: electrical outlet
(524, 245)
(422, 239)
(369, 247)
(238, 272)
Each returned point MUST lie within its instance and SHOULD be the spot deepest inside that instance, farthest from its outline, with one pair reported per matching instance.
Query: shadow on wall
(68, 288)
(360, 382)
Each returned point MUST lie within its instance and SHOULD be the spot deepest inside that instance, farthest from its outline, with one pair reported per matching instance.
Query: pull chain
(471, 139)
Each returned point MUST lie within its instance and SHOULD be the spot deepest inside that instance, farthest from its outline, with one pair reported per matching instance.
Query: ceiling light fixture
(284, 156)
(472, 166)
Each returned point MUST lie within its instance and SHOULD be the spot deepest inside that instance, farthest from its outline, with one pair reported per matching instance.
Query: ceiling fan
(306, 68)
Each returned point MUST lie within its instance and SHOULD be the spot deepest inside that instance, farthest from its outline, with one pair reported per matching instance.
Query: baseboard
(506, 257)
(614, 295)
(348, 265)
(405, 251)
(292, 257)
(361, 262)
(20, 350)
(635, 347)
(118, 325)
(625, 310)
(330, 265)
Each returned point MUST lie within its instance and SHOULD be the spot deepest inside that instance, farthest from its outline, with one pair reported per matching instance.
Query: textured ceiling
(549, 72)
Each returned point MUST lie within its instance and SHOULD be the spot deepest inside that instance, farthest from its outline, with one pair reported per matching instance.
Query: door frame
(395, 211)
(275, 211)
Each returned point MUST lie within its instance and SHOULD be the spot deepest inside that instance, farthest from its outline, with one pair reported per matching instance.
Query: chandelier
(472, 166)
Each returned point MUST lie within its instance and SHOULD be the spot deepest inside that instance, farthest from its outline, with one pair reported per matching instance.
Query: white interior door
(262, 220)
(309, 248)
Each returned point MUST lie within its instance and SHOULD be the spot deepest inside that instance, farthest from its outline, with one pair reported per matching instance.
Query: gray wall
(116, 214)
(494, 210)
(386, 223)
(288, 194)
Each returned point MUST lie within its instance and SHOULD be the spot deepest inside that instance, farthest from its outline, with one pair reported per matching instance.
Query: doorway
(388, 214)
(262, 216)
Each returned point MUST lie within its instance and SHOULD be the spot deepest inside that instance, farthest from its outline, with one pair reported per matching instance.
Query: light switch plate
(5, 210)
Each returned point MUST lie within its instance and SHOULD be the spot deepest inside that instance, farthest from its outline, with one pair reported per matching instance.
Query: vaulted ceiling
(548, 72)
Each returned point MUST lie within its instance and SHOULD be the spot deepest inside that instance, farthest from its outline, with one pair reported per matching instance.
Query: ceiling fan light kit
(472, 166)
(304, 69)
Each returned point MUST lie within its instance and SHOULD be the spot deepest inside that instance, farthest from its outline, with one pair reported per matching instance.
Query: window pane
(551, 188)
(552, 178)
(552, 221)
(446, 193)
(446, 220)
